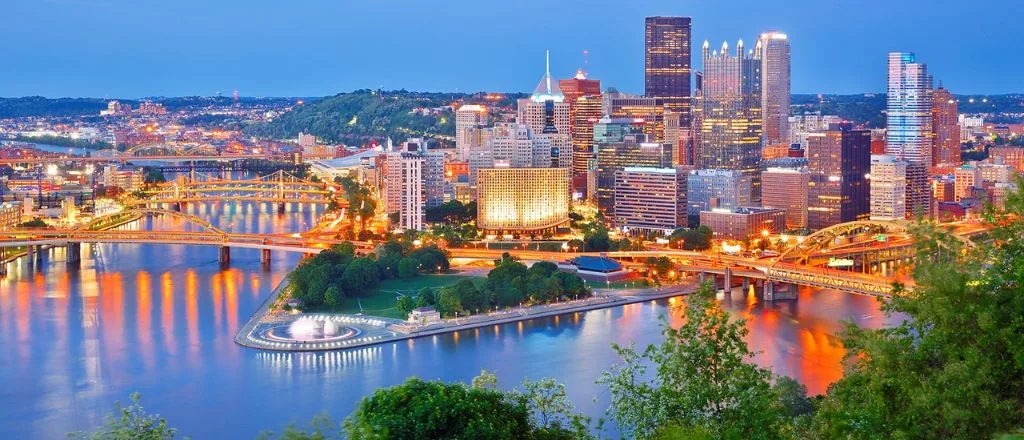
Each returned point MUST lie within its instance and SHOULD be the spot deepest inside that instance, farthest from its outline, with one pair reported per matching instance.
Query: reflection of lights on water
(326, 360)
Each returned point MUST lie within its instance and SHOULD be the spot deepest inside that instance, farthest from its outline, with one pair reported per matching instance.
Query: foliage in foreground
(131, 422)
(704, 384)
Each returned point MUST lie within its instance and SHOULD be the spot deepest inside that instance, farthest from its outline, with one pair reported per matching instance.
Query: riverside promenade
(394, 330)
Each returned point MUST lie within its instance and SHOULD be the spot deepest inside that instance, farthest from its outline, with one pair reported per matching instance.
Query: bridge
(279, 188)
(120, 158)
(171, 150)
(208, 235)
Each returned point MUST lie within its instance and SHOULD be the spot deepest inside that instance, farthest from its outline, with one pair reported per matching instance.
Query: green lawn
(381, 301)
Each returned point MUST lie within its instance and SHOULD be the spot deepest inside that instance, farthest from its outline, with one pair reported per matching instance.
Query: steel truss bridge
(279, 187)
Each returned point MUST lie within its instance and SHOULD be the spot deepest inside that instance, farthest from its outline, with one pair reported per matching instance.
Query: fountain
(310, 329)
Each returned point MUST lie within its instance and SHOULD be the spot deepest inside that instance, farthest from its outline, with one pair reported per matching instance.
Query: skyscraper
(909, 125)
(468, 119)
(584, 98)
(786, 188)
(546, 107)
(667, 63)
(838, 161)
(730, 117)
(945, 128)
(619, 144)
(773, 49)
(650, 199)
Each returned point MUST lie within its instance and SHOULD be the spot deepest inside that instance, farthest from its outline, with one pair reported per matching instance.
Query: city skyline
(247, 49)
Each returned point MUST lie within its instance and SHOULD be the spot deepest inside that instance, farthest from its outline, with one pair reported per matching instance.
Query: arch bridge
(279, 187)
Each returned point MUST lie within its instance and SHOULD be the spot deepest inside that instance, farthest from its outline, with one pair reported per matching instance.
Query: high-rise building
(716, 189)
(522, 199)
(620, 145)
(584, 98)
(838, 161)
(647, 112)
(650, 199)
(469, 119)
(434, 183)
(786, 188)
(888, 188)
(945, 128)
(743, 222)
(773, 49)
(909, 125)
(403, 188)
(545, 109)
(667, 63)
(511, 145)
(731, 124)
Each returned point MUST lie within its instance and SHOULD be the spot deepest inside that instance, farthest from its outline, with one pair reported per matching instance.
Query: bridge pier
(74, 251)
(281, 208)
(225, 256)
(727, 280)
(746, 284)
(769, 291)
(702, 277)
(265, 257)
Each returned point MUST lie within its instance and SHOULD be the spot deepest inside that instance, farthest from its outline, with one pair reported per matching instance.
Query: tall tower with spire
(545, 110)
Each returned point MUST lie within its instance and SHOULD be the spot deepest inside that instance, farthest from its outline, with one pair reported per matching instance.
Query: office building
(730, 116)
(667, 63)
(786, 188)
(650, 199)
(510, 145)
(802, 125)
(618, 146)
(126, 177)
(945, 128)
(649, 113)
(545, 109)
(773, 50)
(713, 189)
(838, 163)
(965, 178)
(522, 199)
(743, 222)
(403, 188)
(11, 215)
(435, 186)
(888, 188)
(584, 98)
(469, 119)
(909, 125)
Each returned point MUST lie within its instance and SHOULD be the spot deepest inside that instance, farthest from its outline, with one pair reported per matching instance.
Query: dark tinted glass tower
(667, 63)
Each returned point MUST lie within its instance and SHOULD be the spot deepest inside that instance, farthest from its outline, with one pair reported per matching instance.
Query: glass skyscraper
(909, 125)
(667, 63)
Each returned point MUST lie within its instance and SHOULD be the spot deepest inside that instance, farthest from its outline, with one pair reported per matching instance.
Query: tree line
(337, 273)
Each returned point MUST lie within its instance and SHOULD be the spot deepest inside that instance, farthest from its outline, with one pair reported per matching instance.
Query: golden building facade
(522, 199)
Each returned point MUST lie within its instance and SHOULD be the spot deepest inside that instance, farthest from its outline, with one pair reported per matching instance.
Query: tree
(333, 296)
(360, 276)
(660, 265)
(550, 405)
(597, 240)
(408, 267)
(704, 379)
(448, 303)
(955, 367)
(405, 304)
(131, 422)
(427, 410)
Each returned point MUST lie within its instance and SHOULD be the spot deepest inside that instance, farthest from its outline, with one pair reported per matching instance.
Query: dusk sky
(138, 48)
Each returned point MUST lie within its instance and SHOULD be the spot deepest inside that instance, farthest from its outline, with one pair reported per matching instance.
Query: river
(160, 320)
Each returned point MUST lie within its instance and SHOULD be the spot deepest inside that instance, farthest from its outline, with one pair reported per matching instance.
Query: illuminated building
(619, 145)
(996, 171)
(965, 178)
(667, 63)
(456, 171)
(306, 140)
(650, 199)
(522, 199)
(786, 188)
(838, 161)
(552, 150)
(1008, 154)
(584, 98)
(945, 128)
(713, 189)
(909, 125)
(128, 178)
(546, 108)
(151, 108)
(773, 49)
(730, 117)
(943, 189)
(469, 120)
(510, 145)
(888, 188)
(969, 126)
(802, 125)
(743, 222)
(648, 112)
(11, 215)
(403, 188)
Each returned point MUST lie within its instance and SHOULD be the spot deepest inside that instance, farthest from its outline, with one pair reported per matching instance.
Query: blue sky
(137, 48)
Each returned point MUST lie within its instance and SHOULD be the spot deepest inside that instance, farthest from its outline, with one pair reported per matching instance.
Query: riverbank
(400, 330)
